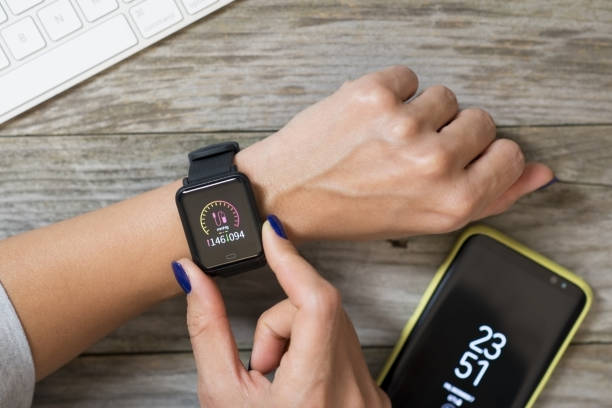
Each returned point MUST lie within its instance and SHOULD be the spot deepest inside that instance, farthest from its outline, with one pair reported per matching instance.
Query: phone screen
(488, 333)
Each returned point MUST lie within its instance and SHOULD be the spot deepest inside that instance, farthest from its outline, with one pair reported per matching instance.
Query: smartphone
(489, 330)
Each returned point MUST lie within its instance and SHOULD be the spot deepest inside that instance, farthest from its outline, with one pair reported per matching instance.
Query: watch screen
(222, 224)
(488, 333)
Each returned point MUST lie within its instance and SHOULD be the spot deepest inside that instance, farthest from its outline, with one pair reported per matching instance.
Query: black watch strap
(211, 161)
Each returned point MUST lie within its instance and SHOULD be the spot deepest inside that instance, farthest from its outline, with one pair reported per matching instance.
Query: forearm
(75, 281)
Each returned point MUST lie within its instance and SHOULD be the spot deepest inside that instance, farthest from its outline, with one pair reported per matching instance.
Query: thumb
(214, 347)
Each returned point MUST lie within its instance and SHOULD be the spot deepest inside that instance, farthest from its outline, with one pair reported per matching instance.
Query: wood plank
(164, 380)
(57, 177)
(49, 178)
(46, 179)
(256, 64)
(577, 154)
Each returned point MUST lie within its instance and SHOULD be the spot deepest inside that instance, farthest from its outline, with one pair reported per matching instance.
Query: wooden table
(542, 68)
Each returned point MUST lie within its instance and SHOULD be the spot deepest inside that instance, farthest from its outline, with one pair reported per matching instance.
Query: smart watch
(219, 214)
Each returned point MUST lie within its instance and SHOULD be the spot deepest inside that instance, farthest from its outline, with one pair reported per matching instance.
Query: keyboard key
(19, 6)
(193, 6)
(3, 16)
(59, 19)
(95, 9)
(154, 16)
(3, 60)
(23, 38)
(51, 69)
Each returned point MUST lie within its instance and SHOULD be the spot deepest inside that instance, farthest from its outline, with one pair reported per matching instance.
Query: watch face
(224, 226)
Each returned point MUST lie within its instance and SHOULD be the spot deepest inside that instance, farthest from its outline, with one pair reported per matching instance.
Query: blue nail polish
(277, 226)
(551, 182)
(181, 276)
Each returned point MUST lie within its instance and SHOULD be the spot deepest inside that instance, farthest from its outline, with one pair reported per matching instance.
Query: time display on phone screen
(473, 365)
(487, 334)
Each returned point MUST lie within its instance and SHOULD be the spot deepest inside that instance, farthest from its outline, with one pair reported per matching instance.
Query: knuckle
(514, 152)
(325, 301)
(445, 94)
(483, 118)
(480, 115)
(263, 319)
(284, 260)
(405, 127)
(406, 71)
(438, 162)
(331, 297)
(518, 154)
(371, 93)
(198, 324)
(487, 118)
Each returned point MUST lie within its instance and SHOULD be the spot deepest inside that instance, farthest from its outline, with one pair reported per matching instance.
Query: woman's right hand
(308, 338)
(364, 163)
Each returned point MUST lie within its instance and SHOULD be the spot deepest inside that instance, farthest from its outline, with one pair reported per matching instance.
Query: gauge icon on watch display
(219, 216)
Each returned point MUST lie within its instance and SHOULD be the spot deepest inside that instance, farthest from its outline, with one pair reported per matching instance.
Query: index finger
(296, 276)
(318, 304)
(399, 79)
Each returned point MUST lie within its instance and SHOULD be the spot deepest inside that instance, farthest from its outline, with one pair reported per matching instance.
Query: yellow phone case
(540, 259)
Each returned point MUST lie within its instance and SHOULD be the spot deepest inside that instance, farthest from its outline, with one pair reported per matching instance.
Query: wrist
(278, 187)
(257, 163)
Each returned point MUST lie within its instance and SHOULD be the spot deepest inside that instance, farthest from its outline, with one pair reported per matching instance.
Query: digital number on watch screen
(221, 221)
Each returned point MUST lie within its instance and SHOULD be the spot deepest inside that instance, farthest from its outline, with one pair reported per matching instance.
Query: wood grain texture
(158, 380)
(170, 380)
(46, 179)
(243, 73)
(255, 64)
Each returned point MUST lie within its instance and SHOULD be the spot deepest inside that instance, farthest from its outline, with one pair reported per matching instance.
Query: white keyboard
(47, 46)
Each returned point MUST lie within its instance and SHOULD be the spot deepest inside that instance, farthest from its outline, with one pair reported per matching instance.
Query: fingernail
(551, 182)
(277, 226)
(181, 276)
